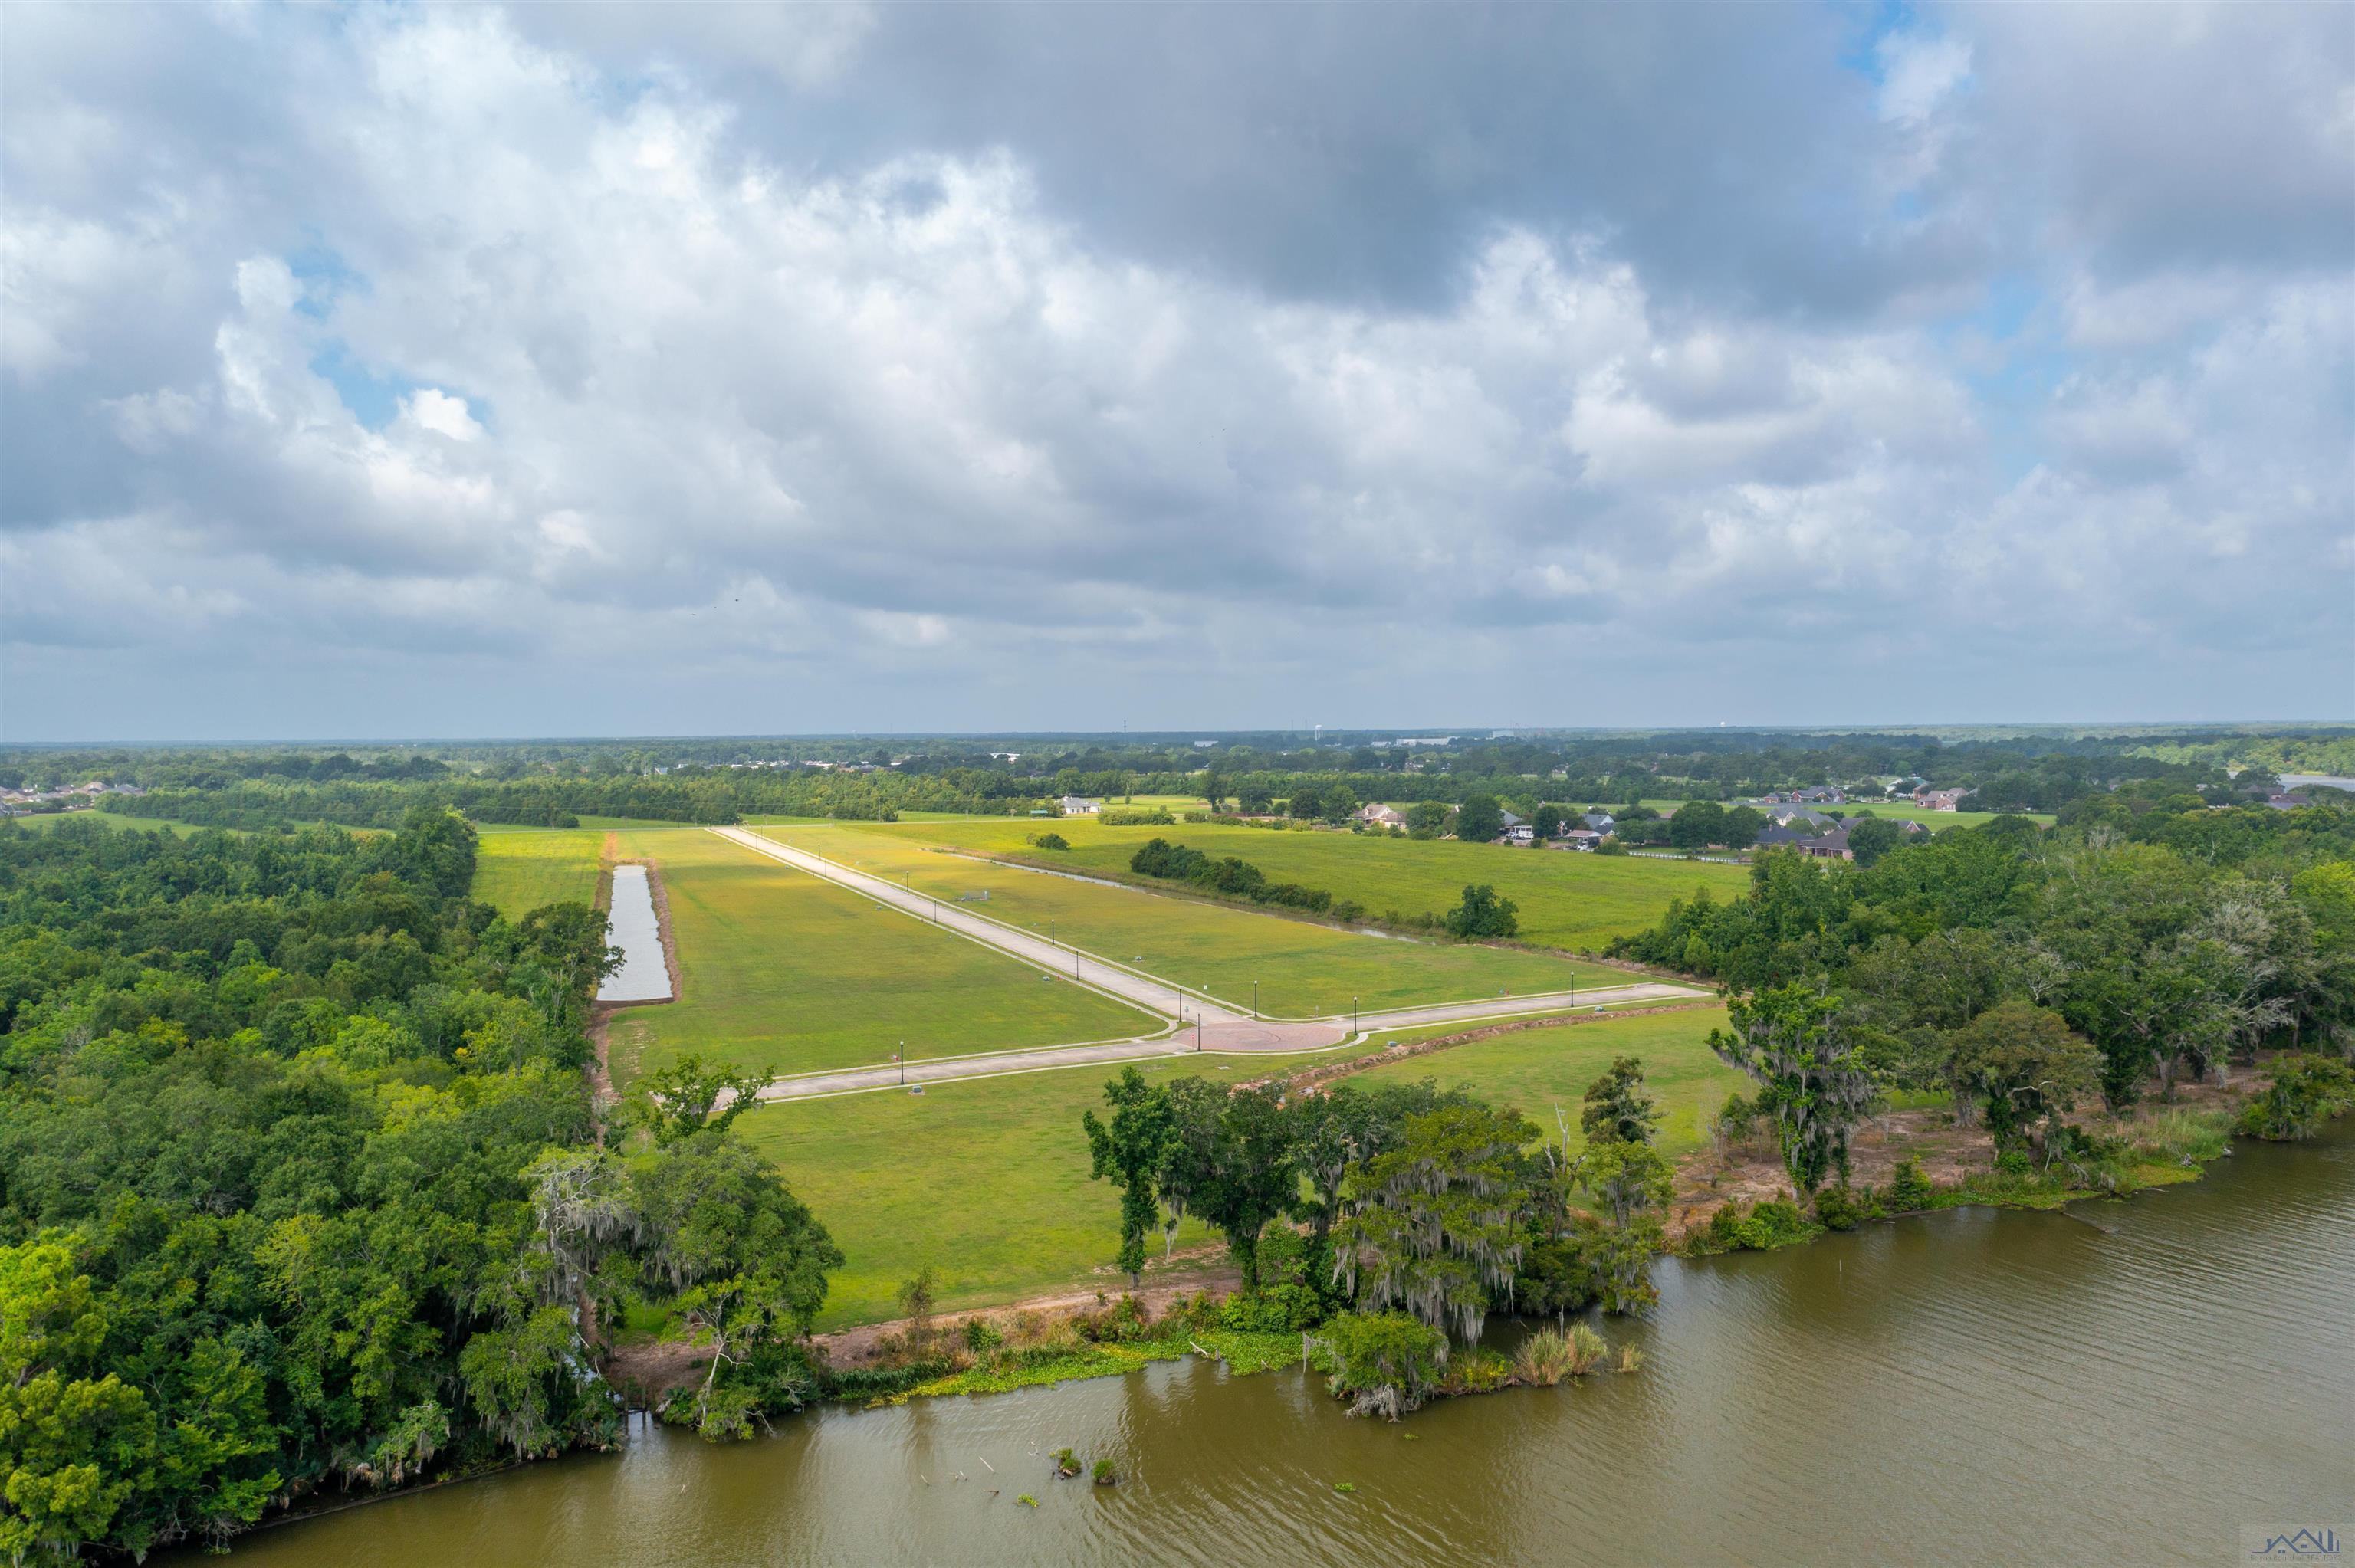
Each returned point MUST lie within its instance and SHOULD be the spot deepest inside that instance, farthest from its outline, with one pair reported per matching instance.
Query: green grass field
(1540, 1069)
(42, 821)
(518, 870)
(987, 1179)
(784, 971)
(1567, 900)
(1303, 968)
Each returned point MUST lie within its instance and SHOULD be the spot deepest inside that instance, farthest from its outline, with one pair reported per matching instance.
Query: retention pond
(644, 975)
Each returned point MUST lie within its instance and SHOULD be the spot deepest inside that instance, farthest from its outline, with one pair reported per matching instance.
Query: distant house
(1784, 816)
(1940, 799)
(1832, 845)
(1583, 839)
(1600, 822)
(1079, 806)
(1821, 795)
(2287, 803)
(1374, 814)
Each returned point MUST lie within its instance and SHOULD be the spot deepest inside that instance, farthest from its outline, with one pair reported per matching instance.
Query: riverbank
(1903, 1163)
(1942, 1390)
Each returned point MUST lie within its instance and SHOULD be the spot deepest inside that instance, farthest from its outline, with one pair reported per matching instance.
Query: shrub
(1774, 1222)
(1477, 1371)
(981, 1337)
(1278, 1308)
(1384, 1363)
(1067, 1463)
(1483, 914)
(1908, 1189)
(1547, 1357)
(1631, 1360)
(1135, 816)
(1051, 840)
(2301, 1092)
(1839, 1209)
(1104, 1473)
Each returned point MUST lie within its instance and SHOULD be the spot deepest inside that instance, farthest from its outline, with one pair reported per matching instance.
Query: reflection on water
(644, 976)
(2129, 1384)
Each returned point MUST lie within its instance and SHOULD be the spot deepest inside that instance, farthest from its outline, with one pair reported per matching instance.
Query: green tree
(1698, 824)
(1869, 839)
(1479, 819)
(2026, 1065)
(1231, 1161)
(1631, 1180)
(1788, 1039)
(1616, 1109)
(1483, 914)
(690, 1096)
(1438, 1223)
(1130, 1152)
(1426, 819)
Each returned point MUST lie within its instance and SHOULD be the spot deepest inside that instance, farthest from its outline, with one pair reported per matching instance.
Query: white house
(1374, 814)
(1079, 806)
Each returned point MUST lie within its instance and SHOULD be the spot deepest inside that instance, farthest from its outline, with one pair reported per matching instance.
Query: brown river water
(2133, 1383)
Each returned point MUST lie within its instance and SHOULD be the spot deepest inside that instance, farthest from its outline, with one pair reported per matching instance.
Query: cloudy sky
(718, 368)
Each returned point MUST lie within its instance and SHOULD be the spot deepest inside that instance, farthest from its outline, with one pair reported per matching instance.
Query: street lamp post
(1050, 930)
(1254, 998)
(903, 1064)
(1353, 1015)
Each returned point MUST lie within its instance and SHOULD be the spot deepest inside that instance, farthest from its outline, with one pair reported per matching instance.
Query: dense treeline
(708, 780)
(2144, 939)
(301, 1183)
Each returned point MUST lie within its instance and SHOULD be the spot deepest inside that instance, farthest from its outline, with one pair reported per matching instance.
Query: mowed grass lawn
(1567, 900)
(1538, 1069)
(987, 1179)
(1305, 969)
(518, 870)
(783, 971)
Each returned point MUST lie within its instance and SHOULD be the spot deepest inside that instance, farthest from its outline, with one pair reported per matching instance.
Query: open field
(1538, 1069)
(783, 971)
(1567, 900)
(44, 820)
(518, 870)
(987, 1179)
(1303, 968)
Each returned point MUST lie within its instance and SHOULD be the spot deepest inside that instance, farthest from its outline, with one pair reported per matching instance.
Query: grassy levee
(784, 971)
(987, 1179)
(1567, 900)
(517, 870)
(1538, 1069)
(1305, 969)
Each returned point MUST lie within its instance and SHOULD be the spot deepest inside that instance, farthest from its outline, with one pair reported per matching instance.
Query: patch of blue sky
(2008, 351)
(325, 278)
(373, 395)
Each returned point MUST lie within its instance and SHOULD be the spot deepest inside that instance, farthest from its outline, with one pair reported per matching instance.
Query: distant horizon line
(1457, 732)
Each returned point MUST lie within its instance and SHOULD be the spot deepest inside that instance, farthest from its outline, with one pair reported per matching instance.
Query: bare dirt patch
(1196, 1268)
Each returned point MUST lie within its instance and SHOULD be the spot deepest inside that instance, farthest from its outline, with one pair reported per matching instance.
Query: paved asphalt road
(1190, 1021)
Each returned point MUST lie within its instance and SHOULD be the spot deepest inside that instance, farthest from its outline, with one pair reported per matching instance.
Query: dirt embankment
(1752, 1172)
(1196, 1268)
